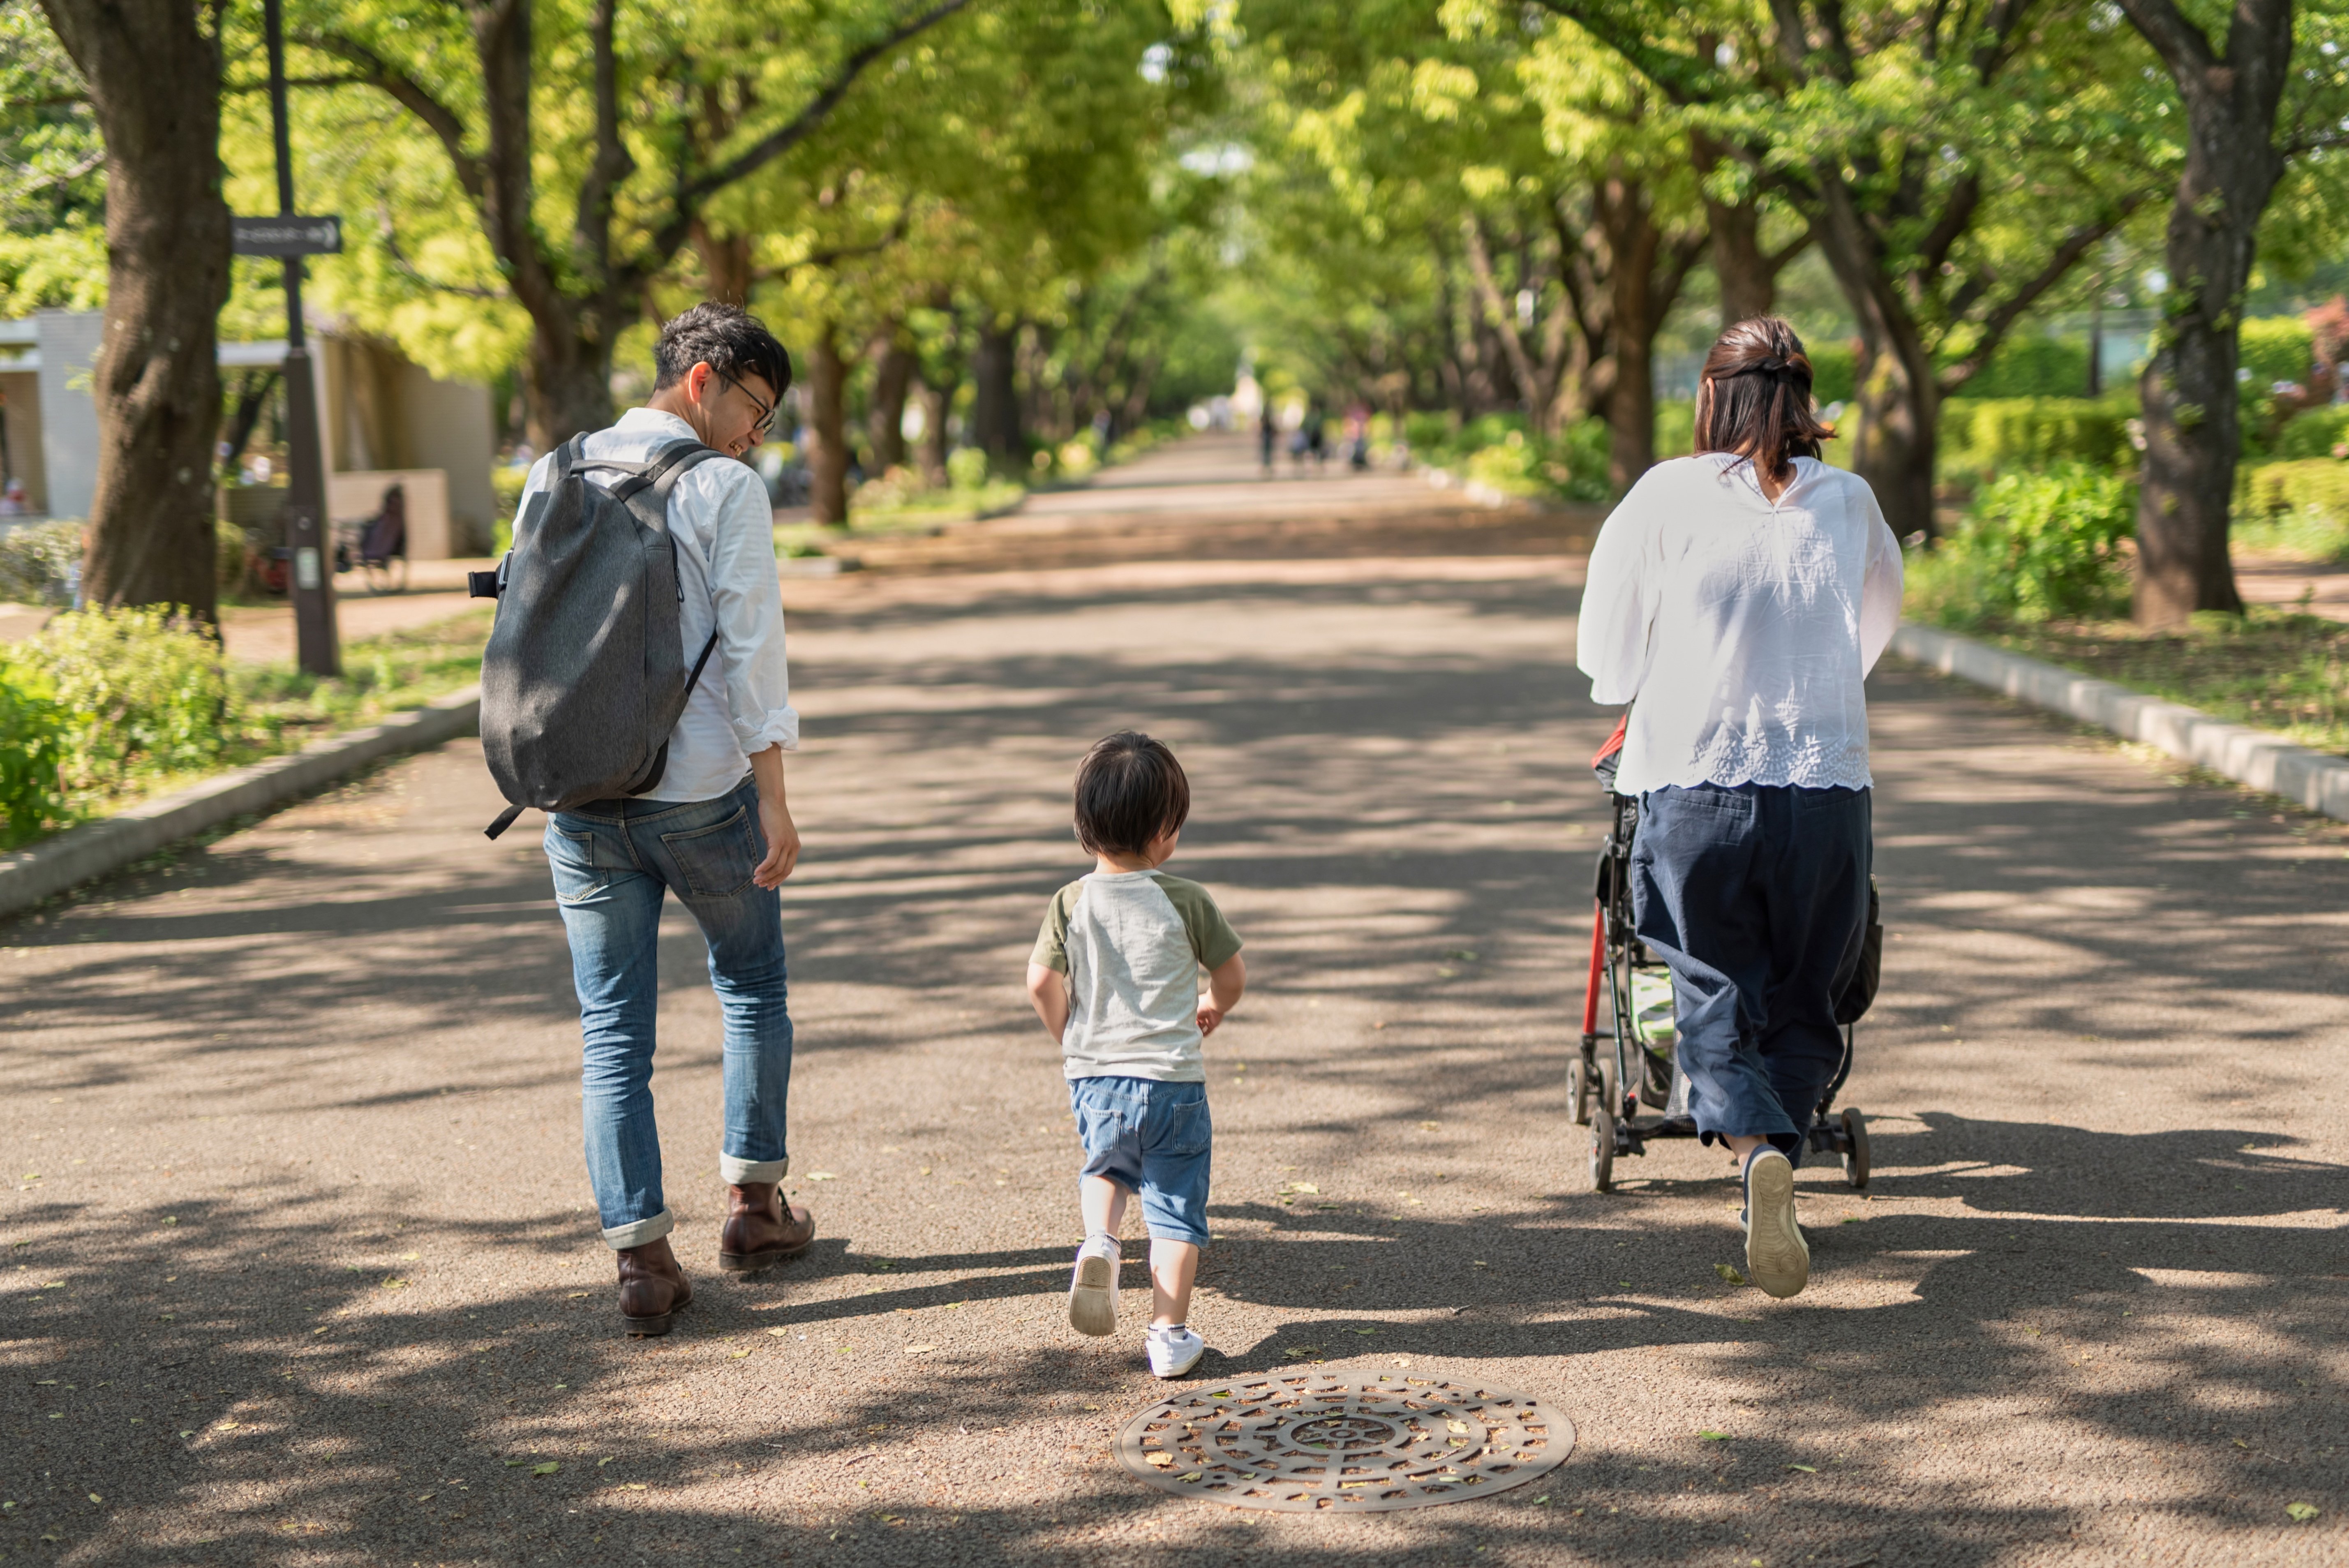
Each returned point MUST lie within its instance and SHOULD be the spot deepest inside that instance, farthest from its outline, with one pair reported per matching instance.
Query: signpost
(311, 580)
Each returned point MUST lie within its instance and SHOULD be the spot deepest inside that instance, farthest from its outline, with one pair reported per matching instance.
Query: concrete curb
(95, 848)
(2257, 758)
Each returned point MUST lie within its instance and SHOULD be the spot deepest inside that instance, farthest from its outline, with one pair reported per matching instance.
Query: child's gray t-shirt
(1132, 945)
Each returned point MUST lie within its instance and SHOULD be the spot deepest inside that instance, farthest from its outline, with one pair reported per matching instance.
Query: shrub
(32, 748)
(1572, 464)
(1427, 432)
(2313, 484)
(2315, 434)
(35, 563)
(1512, 466)
(2035, 547)
(1675, 427)
(967, 468)
(143, 690)
(1984, 438)
(1835, 372)
(2032, 367)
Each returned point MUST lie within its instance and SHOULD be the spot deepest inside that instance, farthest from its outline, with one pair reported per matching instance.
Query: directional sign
(286, 236)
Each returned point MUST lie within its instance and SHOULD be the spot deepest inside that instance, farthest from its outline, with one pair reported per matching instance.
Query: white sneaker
(1777, 1257)
(1093, 1290)
(1175, 1350)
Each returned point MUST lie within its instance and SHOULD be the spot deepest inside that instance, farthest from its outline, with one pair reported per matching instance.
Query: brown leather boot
(653, 1288)
(761, 1230)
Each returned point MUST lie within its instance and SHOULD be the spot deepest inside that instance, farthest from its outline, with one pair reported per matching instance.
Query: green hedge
(2032, 367)
(2315, 433)
(2035, 547)
(2312, 484)
(1985, 437)
(32, 753)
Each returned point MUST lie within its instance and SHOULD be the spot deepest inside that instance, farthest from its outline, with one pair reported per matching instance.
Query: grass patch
(2308, 534)
(275, 708)
(917, 512)
(2273, 668)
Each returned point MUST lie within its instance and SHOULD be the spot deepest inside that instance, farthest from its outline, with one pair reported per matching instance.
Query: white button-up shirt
(1742, 630)
(725, 532)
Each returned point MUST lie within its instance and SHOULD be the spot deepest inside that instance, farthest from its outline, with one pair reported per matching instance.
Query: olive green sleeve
(1213, 939)
(1052, 940)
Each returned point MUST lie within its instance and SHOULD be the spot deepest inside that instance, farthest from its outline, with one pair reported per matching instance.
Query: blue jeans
(613, 863)
(1155, 1140)
(1756, 899)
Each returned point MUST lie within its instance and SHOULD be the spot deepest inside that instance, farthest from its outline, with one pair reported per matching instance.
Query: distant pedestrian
(1267, 431)
(1738, 598)
(1115, 977)
(715, 828)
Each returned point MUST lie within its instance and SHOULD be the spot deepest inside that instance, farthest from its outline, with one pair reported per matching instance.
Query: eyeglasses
(766, 410)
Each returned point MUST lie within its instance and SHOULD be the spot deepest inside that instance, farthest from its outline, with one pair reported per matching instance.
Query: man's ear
(696, 380)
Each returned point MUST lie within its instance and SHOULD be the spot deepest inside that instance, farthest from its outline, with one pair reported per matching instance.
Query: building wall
(22, 388)
(69, 342)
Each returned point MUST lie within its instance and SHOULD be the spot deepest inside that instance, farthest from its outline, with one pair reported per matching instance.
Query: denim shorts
(1154, 1139)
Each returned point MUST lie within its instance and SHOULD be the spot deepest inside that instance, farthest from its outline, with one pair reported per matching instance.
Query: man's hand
(782, 843)
(774, 821)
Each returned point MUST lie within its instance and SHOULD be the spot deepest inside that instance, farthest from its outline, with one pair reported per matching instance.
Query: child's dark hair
(1755, 398)
(1130, 790)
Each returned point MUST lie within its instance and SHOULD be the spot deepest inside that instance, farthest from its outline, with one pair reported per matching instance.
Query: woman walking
(1738, 599)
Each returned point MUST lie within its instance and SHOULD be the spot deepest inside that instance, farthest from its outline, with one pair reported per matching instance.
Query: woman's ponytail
(1755, 398)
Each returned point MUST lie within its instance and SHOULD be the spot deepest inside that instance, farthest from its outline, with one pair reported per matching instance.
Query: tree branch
(408, 270)
(412, 95)
(1997, 324)
(1683, 79)
(2183, 46)
(690, 194)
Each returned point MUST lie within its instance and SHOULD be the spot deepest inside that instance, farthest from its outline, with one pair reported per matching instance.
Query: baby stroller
(1636, 1064)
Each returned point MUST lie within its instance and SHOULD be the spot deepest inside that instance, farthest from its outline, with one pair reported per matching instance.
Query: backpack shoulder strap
(647, 493)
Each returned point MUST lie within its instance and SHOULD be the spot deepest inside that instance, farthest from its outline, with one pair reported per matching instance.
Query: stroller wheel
(1577, 1089)
(1602, 1152)
(1611, 1092)
(1855, 1154)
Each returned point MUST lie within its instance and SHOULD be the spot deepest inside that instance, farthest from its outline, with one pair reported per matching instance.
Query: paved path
(299, 1267)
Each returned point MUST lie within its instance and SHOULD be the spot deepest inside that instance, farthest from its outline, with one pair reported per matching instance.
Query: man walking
(716, 831)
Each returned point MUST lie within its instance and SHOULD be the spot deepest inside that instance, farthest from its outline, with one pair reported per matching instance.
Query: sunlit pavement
(300, 1266)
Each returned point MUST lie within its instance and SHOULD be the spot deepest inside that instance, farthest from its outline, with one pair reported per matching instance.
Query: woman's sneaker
(1092, 1292)
(1175, 1350)
(1777, 1257)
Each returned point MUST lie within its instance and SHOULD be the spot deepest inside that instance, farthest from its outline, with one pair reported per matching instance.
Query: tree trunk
(154, 82)
(827, 455)
(893, 378)
(1898, 397)
(2192, 421)
(995, 408)
(1749, 283)
(570, 381)
(931, 455)
(724, 263)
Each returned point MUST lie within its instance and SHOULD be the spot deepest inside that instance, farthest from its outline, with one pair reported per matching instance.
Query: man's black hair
(1130, 790)
(726, 338)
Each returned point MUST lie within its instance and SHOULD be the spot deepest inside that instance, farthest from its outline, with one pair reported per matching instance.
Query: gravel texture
(297, 1264)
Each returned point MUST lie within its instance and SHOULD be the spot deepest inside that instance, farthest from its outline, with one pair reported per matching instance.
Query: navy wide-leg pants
(1756, 898)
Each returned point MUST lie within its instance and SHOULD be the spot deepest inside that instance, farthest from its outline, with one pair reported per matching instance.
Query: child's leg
(1174, 1266)
(1101, 1201)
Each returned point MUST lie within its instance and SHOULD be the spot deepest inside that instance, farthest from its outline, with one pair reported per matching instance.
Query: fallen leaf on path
(1806, 1470)
(919, 1349)
(607, 1458)
(1713, 1437)
(822, 1176)
(2302, 1512)
(781, 1331)
(1164, 1461)
(1731, 1274)
(549, 1468)
(739, 1355)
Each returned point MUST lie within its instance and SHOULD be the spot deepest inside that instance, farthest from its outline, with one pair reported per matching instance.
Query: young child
(1115, 977)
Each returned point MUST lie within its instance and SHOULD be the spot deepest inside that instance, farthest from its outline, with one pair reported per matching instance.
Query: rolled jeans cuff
(737, 1172)
(639, 1232)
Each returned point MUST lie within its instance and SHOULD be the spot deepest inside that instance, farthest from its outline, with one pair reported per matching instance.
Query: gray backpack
(582, 679)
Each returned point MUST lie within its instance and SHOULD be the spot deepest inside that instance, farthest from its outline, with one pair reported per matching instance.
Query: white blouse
(1740, 630)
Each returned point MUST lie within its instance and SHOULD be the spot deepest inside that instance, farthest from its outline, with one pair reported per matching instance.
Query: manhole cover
(1362, 1444)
